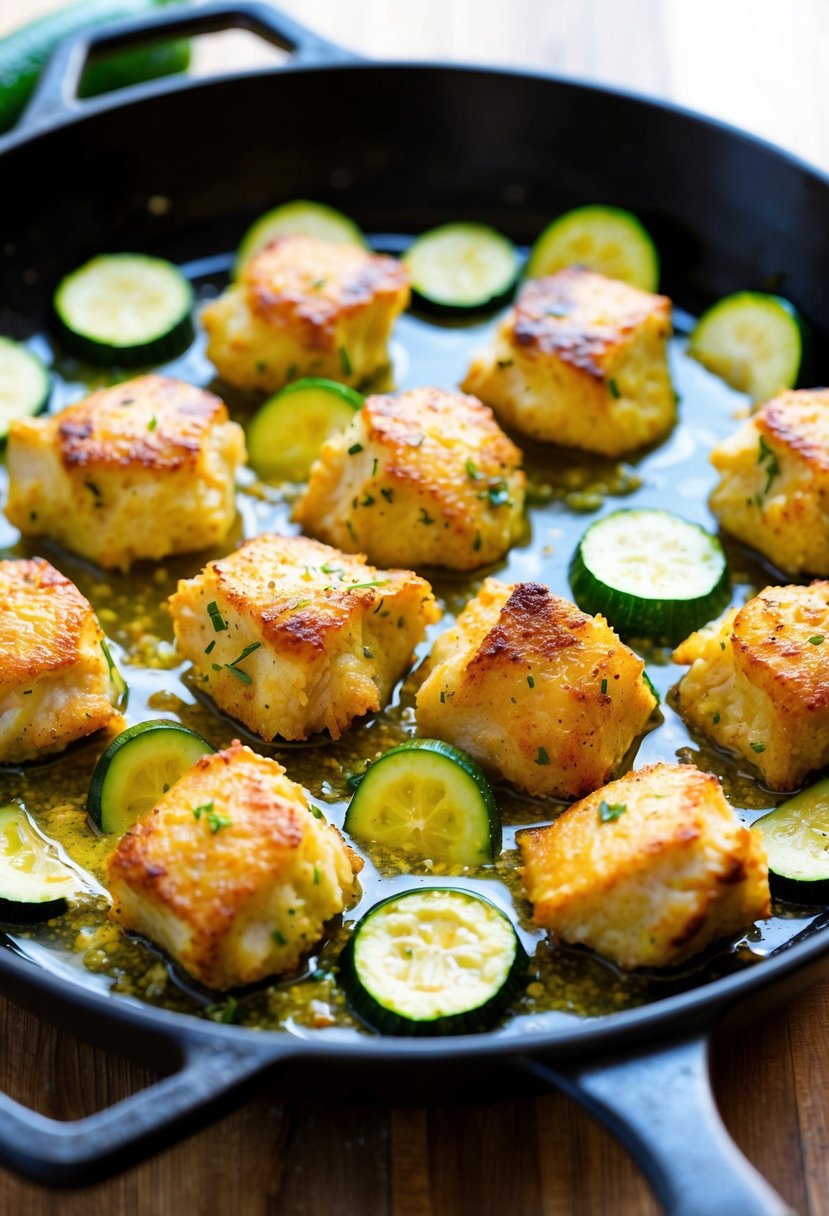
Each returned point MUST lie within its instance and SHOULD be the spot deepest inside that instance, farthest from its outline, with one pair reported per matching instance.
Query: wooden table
(763, 66)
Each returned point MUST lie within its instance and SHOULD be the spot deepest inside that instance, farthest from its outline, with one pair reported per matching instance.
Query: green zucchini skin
(378, 1017)
(16, 912)
(24, 52)
(810, 892)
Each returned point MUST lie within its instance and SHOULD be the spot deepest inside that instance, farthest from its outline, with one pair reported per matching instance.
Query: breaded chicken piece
(773, 492)
(537, 691)
(581, 361)
(293, 637)
(230, 872)
(424, 477)
(759, 682)
(304, 307)
(647, 871)
(55, 669)
(141, 470)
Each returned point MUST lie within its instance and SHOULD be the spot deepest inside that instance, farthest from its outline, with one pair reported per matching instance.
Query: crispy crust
(151, 422)
(43, 617)
(557, 315)
(307, 286)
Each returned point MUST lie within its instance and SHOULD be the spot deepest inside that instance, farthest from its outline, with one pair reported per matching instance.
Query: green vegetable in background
(24, 52)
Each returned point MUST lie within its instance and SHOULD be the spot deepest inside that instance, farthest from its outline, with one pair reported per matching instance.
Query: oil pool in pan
(568, 490)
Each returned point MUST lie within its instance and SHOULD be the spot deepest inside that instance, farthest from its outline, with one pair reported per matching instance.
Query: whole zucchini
(24, 52)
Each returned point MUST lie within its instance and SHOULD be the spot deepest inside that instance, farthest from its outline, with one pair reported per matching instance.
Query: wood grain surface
(763, 66)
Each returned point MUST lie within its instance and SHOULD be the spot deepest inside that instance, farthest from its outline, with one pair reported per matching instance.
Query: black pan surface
(401, 147)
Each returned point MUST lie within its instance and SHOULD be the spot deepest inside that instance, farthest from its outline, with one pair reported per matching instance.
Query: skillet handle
(56, 93)
(59, 1153)
(659, 1103)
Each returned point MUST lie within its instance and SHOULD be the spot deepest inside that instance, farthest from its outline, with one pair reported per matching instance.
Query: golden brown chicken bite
(537, 691)
(292, 637)
(141, 470)
(230, 872)
(773, 492)
(424, 477)
(647, 871)
(55, 670)
(759, 682)
(581, 361)
(305, 307)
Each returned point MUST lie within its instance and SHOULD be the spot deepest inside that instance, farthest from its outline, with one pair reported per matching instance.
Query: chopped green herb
(93, 489)
(317, 876)
(368, 654)
(614, 389)
(425, 517)
(279, 937)
(27, 692)
(368, 501)
(351, 531)
(498, 494)
(223, 1013)
(531, 681)
(476, 544)
(261, 367)
(502, 363)
(722, 645)
(204, 809)
(758, 747)
(239, 674)
(217, 666)
(353, 780)
(248, 650)
(768, 458)
(817, 639)
(216, 617)
(472, 470)
(608, 811)
(209, 649)
(715, 719)
(374, 467)
(374, 611)
(377, 582)
(152, 424)
(345, 361)
(387, 493)
(355, 448)
(329, 569)
(442, 697)
(541, 756)
(604, 687)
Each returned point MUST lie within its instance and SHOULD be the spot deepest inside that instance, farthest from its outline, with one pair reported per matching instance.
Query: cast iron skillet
(401, 147)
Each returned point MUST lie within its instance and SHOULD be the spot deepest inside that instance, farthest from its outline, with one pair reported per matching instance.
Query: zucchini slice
(754, 342)
(436, 960)
(462, 266)
(25, 384)
(796, 836)
(429, 800)
(125, 309)
(609, 240)
(287, 432)
(651, 574)
(298, 218)
(34, 882)
(137, 768)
